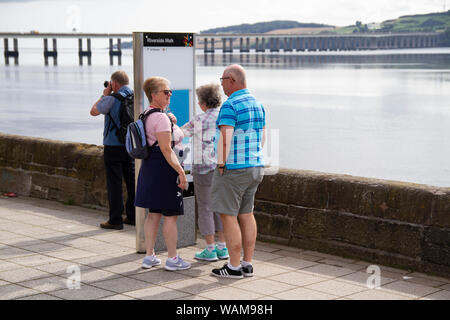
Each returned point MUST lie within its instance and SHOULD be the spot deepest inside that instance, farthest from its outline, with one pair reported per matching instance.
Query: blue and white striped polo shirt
(243, 112)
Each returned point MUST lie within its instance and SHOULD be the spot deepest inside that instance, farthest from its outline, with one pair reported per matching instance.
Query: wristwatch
(220, 166)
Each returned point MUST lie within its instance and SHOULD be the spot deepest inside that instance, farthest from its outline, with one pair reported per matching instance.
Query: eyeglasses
(166, 92)
(224, 78)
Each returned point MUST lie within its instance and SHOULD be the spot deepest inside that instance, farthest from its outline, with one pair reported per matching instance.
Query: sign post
(172, 56)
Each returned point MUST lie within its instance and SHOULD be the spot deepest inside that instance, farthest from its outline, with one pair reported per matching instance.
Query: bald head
(233, 79)
(238, 73)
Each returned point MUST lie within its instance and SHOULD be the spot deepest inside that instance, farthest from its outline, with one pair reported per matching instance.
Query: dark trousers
(119, 164)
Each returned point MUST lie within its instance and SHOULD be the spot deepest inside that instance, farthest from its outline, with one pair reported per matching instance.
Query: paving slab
(336, 288)
(41, 296)
(157, 293)
(377, 294)
(86, 292)
(52, 283)
(440, 295)
(42, 243)
(13, 291)
(298, 279)
(304, 294)
(22, 274)
(120, 284)
(264, 286)
(413, 290)
(230, 293)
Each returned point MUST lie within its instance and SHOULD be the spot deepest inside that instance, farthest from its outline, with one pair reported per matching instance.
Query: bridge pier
(53, 53)
(306, 45)
(274, 45)
(389, 42)
(320, 44)
(261, 48)
(421, 42)
(212, 45)
(311, 46)
(241, 45)
(287, 45)
(359, 43)
(341, 44)
(87, 53)
(225, 49)
(14, 53)
(113, 52)
(205, 46)
(295, 44)
(397, 42)
(347, 44)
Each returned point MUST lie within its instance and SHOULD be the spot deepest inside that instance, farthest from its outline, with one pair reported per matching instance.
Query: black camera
(106, 84)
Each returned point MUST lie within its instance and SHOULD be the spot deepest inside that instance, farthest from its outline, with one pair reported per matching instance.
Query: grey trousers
(208, 221)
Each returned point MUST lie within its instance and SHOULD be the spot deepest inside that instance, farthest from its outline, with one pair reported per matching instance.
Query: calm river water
(372, 114)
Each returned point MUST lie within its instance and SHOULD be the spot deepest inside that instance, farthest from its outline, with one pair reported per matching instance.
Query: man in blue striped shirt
(240, 168)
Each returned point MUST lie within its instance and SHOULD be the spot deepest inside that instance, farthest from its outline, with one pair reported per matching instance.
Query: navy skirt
(157, 186)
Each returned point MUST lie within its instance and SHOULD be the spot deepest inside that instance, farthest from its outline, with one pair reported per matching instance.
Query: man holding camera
(117, 161)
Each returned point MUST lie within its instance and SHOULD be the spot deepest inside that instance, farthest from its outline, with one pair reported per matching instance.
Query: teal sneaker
(206, 255)
(222, 254)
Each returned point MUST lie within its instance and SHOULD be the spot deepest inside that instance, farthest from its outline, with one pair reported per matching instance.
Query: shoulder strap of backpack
(121, 99)
(117, 96)
(145, 114)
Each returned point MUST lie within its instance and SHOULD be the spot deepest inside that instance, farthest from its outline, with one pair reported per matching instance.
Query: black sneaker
(247, 271)
(226, 272)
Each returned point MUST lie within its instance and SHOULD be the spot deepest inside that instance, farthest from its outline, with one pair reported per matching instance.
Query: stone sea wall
(393, 223)
(69, 172)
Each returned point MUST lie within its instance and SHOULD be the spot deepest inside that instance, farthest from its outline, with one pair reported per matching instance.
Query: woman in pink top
(161, 178)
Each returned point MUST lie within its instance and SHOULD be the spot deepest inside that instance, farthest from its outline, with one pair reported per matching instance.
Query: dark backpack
(126, 115)
(136, 140)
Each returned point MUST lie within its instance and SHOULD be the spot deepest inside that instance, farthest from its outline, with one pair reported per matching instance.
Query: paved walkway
(40, 241)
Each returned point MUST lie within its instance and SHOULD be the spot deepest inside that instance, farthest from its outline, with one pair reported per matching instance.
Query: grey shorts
(234, 191)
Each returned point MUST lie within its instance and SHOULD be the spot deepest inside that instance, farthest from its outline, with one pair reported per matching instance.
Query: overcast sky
(195, 15)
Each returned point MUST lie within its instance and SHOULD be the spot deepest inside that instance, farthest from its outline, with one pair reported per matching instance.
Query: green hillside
(431, 22)
(263, 27)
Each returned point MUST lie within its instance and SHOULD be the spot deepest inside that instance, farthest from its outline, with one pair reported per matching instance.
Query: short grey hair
(209, 95)
(120, 77)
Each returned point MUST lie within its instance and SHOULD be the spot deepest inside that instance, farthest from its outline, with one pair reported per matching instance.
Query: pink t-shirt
(159, 122)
